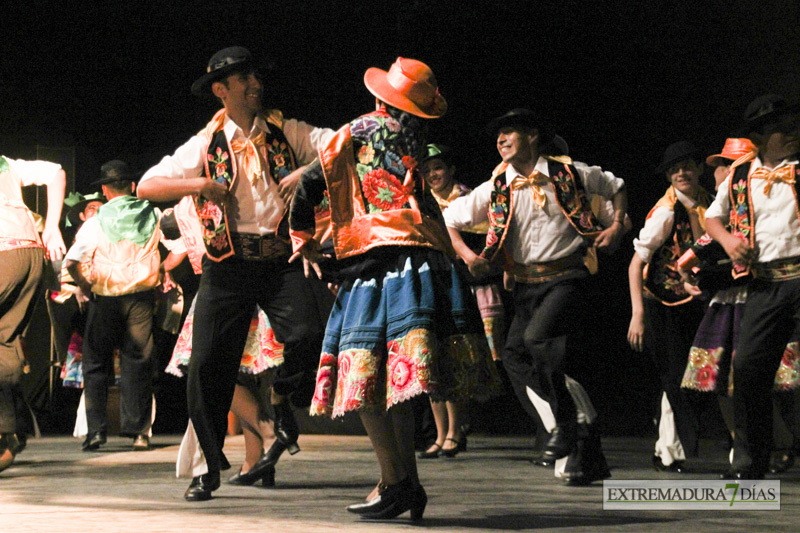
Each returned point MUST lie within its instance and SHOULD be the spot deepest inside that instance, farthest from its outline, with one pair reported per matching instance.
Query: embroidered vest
(661, 278)
(123, 267)
(570, 196)
(374, 199)
(220, 165)
(742, 220)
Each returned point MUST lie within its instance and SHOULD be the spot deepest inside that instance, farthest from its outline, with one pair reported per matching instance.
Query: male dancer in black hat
(121, 244)
(539, 207)
(759, 200)
(243, 168)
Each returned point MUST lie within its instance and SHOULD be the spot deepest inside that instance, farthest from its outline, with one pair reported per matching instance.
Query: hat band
(224, 63)
(421, 93)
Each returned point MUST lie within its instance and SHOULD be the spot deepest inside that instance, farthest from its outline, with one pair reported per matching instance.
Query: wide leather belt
(258, 247)
(778, 270)
(548, 271)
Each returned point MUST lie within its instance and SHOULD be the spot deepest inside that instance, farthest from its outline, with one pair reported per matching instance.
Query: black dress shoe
(741, 474)
(93, 441)
(562, 442)
(541, 461)
(201, 487)
(587, 477)
(781, 462)
(678, 467)
(286, 429)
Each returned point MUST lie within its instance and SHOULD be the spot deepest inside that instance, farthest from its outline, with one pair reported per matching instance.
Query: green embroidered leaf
(363, 169)
(385, 194)
(3, 164)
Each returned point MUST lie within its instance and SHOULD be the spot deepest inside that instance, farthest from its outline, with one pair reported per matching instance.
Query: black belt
(255, 247)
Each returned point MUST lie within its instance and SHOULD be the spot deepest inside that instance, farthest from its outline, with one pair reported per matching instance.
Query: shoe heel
(268, 479)
(293, 448)
(418, 510)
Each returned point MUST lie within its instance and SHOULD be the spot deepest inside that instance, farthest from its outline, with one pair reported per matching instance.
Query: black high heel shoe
(286, 429)
(394, 500)
(265, 474)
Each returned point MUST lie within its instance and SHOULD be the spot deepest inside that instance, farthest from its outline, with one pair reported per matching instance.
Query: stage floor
(54, 487)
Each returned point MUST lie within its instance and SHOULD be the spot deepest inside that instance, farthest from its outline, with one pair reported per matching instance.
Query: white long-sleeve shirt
(258, 206)
(777, 234)
(535, 235)
(658, 227)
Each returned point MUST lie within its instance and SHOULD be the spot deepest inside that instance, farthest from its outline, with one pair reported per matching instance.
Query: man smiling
(242, 169)
(540, 224)
(664, 317)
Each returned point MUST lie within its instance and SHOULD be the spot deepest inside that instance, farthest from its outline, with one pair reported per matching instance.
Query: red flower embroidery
(401, 371)
(705, 376)
(322, 392)
(384, 190)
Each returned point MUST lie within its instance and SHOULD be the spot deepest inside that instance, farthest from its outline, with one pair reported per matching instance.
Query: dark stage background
(619, 80)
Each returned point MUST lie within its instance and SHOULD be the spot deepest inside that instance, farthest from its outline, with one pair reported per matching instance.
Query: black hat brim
(526, 121)
(666, 165)
(202, 86)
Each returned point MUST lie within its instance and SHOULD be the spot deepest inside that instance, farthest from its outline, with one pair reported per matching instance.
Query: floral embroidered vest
(661, 278)
(373, 196)
(742, 221)
(570, 196)
(220, 165)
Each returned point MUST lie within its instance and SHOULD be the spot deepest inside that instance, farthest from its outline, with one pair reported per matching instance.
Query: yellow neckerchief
(253, 148)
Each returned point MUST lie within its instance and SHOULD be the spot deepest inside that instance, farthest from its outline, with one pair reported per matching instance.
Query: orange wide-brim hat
(734, 149)
(409, 86)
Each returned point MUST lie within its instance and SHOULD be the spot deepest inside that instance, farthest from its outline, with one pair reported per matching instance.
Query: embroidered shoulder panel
(381, 162)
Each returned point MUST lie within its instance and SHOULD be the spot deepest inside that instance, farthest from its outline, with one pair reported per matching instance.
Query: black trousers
(229, 291)
(124, 322)
(668, 335)
(544, 340)
(770, 318)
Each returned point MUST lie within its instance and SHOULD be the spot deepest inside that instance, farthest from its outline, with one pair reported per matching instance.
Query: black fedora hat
(221, 65)
(115, 170)
(521, 117)
(677, 152)
(767, 109)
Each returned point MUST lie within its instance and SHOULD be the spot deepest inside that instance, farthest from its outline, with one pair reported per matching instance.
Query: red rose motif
(384, 190)
(279, 160)
(322, 391)
(211, 211)
(401, 372)
(586, 221)
(344, 364)
(740, 198)
(220, 169)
